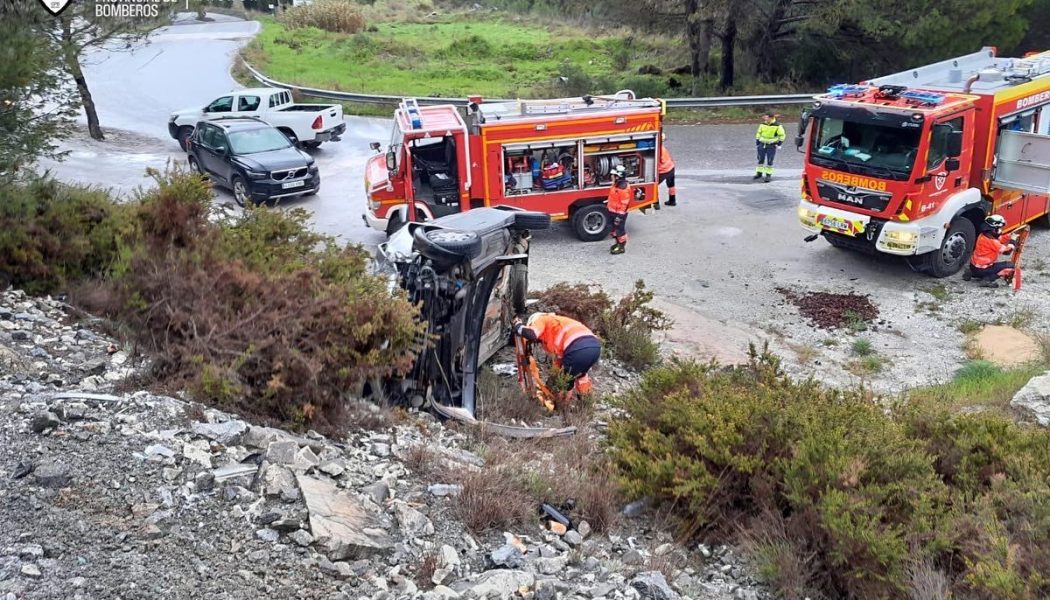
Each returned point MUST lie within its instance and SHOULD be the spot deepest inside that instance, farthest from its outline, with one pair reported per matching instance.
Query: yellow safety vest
(772, 133)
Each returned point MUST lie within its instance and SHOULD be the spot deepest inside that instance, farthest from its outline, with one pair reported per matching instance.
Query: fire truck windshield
(867, 148)
(397, 138)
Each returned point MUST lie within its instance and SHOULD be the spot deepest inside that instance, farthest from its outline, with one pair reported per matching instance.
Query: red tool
(1022, 237)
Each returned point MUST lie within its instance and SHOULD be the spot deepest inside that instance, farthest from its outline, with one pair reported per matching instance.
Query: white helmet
(619, 171)
(996, 221)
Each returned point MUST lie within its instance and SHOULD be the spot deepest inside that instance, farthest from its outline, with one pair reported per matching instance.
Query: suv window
(248, 103)
(206, 135)
(224, 104)
(939, 141)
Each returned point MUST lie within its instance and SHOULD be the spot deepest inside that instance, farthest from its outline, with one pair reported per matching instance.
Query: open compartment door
(1023, 162)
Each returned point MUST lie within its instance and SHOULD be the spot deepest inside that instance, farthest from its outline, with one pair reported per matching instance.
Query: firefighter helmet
(995, 221)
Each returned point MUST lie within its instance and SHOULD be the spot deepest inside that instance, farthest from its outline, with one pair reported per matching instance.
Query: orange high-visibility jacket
(987, 250)
(619, 199)
(666, 162)
(556, 332)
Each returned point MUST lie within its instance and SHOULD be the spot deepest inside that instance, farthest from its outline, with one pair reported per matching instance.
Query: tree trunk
(72, 63)
(692, 19)
(765, 54)
(707, 33)
(728, 46)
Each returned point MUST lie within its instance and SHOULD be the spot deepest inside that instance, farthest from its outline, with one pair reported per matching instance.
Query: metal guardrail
(709, 102)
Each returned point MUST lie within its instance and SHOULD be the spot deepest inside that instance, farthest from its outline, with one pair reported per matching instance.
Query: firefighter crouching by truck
(665, 171)
(984, 262)
(619, 199)
(770, 136)
(575, 347)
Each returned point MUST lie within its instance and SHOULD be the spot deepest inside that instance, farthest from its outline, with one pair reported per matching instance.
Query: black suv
(253, 159)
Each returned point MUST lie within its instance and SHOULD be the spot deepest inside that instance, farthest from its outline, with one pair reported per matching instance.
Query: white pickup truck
(306, 125)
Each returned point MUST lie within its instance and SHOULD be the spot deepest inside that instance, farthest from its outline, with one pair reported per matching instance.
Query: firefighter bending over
(769, 137)
(984, 263)
(617, 203)
(665, 169)
(575, 347)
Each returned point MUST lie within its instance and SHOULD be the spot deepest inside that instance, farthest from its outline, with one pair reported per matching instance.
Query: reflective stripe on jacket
(619, 199)
(666, 162)
(557, 332)
(987, 250)
(773, 133)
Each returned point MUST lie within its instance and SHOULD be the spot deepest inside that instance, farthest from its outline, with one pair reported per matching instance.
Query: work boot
(671, 202)
(967, 275)
(757, 176)
(618, 249)
(767, 178)
(990, 284)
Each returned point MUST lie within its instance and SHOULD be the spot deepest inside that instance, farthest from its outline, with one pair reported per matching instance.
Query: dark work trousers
(766, 154)
(580, 356)
(990, 272)
(669, 178)
(619, 228)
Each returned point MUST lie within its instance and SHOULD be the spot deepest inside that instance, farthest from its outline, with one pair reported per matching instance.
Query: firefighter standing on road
(666, 171)
(769, 137)
(619, 200)
(575, 347)
(984, 262)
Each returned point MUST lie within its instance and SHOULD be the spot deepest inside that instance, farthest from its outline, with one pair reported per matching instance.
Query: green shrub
(52, 235)
(858, 497)
(337, 16)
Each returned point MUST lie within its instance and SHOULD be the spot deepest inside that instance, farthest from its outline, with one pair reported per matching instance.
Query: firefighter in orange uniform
(665, 169)
(619, 200)
(984, 263)
(575, 347)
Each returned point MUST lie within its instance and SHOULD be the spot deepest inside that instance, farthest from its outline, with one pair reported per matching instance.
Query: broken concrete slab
(282, 452)
(228, 434)
(344, 528)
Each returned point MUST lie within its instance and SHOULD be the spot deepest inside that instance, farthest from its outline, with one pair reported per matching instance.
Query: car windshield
(257, 140)
(877, 150)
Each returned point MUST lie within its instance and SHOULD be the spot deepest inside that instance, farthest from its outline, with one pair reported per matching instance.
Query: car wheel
(519, 287)
(240, 192)
(195, 166)
(461, 243)
(532, 220)
(184, 137)
(591, 223)
(954, 252)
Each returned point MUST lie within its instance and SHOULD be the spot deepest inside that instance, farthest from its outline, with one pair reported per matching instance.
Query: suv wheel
(462, 243)
(591, 223)
(240, 192)
(195, 166)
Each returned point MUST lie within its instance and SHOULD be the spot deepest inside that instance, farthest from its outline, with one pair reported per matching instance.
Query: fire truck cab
(911, 163)
(550, 156)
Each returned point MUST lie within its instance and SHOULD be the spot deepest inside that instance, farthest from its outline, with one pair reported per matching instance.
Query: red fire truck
(552, 156)
(911, 163)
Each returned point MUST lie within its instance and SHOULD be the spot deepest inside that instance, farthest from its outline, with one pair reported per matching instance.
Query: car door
(221, 152)
(219, 107)
(247, 105)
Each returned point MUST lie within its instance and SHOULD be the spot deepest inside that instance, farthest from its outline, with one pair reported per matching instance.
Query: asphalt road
(715, 261)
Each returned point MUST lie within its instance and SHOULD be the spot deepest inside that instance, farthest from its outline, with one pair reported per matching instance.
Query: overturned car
(468, 273)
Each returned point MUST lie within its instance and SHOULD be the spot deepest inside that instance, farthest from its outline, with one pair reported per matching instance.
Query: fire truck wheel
(394, 223)
(591, 223)
(461, 243)
(954, 252)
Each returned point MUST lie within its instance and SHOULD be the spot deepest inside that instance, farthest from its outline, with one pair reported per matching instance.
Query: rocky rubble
(134, 495)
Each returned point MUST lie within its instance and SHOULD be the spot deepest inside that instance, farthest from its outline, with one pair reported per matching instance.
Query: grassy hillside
(463, 54)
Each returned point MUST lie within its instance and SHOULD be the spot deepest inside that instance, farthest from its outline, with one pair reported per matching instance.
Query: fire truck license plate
(841, 225)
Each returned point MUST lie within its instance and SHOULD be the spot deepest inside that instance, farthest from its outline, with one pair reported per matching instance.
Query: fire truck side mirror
(955, 144)
(799, 140)
(391, 161)
(951, 164)
(374, 146)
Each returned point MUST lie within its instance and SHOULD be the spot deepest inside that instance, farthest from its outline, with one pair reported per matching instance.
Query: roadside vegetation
(834, 496)
(253, 313)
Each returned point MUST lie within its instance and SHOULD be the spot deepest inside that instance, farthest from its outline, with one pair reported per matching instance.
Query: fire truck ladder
(952, 74)
(621, 100)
